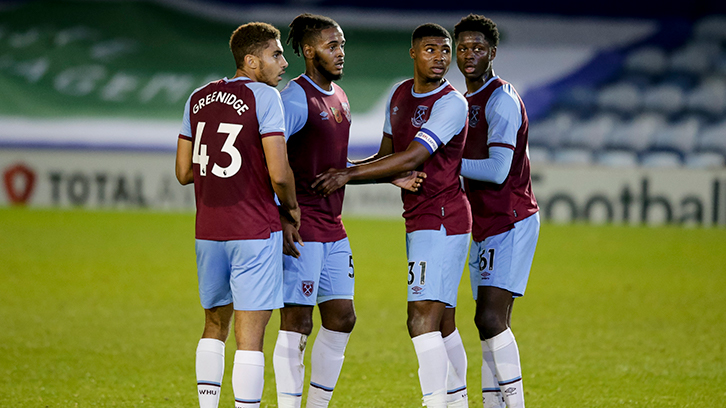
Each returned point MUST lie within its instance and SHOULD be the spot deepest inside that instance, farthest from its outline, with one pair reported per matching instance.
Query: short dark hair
(305, 27)
(251, 38)
(429, 30)
(480, 24)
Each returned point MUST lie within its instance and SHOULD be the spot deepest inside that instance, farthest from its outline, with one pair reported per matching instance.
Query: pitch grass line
(100, 309)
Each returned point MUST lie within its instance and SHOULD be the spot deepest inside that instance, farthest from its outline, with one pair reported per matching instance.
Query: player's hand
(290, 236)
(333, 179)
(294, 217)
(409, 180)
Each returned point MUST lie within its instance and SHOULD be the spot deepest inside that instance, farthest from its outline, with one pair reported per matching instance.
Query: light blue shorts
(504, 260)
(435, 264)
(324, 271)
(246, 272)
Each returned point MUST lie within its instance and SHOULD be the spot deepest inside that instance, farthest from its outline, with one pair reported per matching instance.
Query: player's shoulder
(454, 99)
(292, 90)
(505, 95)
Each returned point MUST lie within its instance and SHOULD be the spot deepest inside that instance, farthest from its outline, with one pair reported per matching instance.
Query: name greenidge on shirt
(221, 97)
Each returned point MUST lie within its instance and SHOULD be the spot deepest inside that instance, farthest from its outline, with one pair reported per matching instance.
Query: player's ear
(412, 53)
(492, 53)
(308, 51)
(251, 61)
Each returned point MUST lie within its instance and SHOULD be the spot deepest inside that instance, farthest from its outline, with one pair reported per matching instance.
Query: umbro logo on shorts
(417, 290)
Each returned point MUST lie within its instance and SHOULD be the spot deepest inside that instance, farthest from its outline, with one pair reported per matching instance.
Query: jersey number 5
(199, 156)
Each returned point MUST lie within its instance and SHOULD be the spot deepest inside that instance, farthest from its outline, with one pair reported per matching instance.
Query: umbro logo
(417, 290)
(395, 110)
(485, 275)
(324, 115)
(510, 391)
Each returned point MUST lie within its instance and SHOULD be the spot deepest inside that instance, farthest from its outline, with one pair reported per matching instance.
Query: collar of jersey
(330, 92)
(236, 79)
(483, 86)
(437, 90)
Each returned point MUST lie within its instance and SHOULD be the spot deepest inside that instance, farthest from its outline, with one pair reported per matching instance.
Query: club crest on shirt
(474, 115)
(336, 114)
(346, 110)
(419, 117)
(307, 288)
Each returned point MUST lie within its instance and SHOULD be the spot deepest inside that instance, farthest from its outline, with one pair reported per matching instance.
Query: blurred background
(626, 101)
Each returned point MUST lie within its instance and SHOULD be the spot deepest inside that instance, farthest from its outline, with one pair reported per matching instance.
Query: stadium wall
(43, 178)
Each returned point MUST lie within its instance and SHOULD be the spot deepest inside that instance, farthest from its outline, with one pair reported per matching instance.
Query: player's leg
(296, 324)
(492, 307)
(213, 273)
(249, 361)
(456, 391)
(435, 265)
(301, 284)
(424, 320)
(499, 271)
(337, 313)
(256, 281)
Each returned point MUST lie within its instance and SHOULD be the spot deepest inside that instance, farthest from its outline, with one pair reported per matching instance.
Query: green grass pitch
(100, 309)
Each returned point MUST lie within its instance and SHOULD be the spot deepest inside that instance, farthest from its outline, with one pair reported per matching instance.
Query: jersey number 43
(200, 157)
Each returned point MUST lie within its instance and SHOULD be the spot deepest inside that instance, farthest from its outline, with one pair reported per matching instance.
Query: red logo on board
(19, 182)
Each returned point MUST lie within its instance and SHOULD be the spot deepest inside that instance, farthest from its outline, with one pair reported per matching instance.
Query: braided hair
(305, 27)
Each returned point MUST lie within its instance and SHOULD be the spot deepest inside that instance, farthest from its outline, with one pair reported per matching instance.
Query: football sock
(509, 372)
(326, 361)
(248, 378)
(489, 384)
(210, 370)
(433, 366)
(289, 369)
(456, 392)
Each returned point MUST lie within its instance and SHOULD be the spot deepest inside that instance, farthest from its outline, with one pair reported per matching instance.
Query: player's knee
(343, 322)
(489, 323)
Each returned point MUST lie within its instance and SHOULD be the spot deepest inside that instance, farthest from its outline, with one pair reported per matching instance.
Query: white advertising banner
(138, 180)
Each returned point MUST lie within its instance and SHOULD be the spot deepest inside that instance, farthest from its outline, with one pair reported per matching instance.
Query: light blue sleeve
(268, 105)
(296, 108)
(447, 119)
(504, 116)
(495, 169)
(186, 129)
(387, 123)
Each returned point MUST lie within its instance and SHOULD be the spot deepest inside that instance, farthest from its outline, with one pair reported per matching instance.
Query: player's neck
(424, 85)
(473, 85)
(244, 73)
(319, 79)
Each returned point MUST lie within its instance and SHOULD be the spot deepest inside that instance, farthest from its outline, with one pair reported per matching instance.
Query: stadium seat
(696, 57)
(549, 132)
(622, 97)
(660, 159)
(573, 156)
(651, 60)
(665, 98)
(590, 134)
(710, 28)
(617, 158)
(636, 135)
(712, 138)
(705, 160)
(539, 155)
(678, 137)
(709, 97)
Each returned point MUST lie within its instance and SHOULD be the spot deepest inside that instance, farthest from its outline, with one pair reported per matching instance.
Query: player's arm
(504, 117)
(390, 165)
(281, 176)
(184, 169)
